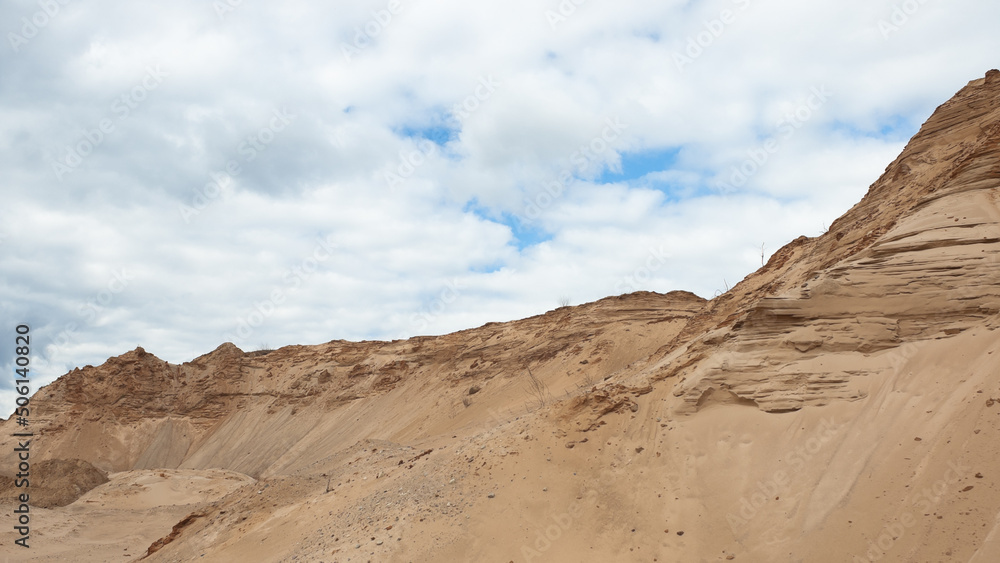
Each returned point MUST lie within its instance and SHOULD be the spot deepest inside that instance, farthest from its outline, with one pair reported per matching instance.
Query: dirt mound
(54, 482)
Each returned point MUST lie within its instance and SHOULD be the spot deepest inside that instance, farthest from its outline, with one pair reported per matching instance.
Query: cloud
(173, 172)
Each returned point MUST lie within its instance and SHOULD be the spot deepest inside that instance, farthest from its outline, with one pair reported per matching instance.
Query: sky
(182, 174)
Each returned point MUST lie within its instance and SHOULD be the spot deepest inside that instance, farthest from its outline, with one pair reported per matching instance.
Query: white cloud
(439, 251)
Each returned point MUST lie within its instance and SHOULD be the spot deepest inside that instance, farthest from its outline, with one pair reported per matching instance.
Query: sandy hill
(840, 404)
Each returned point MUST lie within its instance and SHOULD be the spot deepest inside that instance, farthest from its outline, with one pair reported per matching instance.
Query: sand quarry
(840, 404)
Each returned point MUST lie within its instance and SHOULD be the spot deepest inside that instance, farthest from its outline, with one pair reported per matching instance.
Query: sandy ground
(119, 520)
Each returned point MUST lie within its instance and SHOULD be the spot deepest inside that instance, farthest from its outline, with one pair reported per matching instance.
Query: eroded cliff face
(254, 412)
(842, 403)
(917, 259)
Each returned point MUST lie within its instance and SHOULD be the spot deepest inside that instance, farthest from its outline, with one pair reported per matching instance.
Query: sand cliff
(840, 404)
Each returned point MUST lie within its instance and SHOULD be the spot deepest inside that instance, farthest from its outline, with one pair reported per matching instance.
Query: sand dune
(840, 404)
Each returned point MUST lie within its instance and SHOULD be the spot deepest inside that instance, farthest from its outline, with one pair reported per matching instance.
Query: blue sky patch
(437, 135)
(899, 127)
(526, 232)
(637, 164)
(488, 268)
(893, 128)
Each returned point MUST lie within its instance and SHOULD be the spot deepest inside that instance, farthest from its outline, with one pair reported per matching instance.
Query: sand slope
(840, 404)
